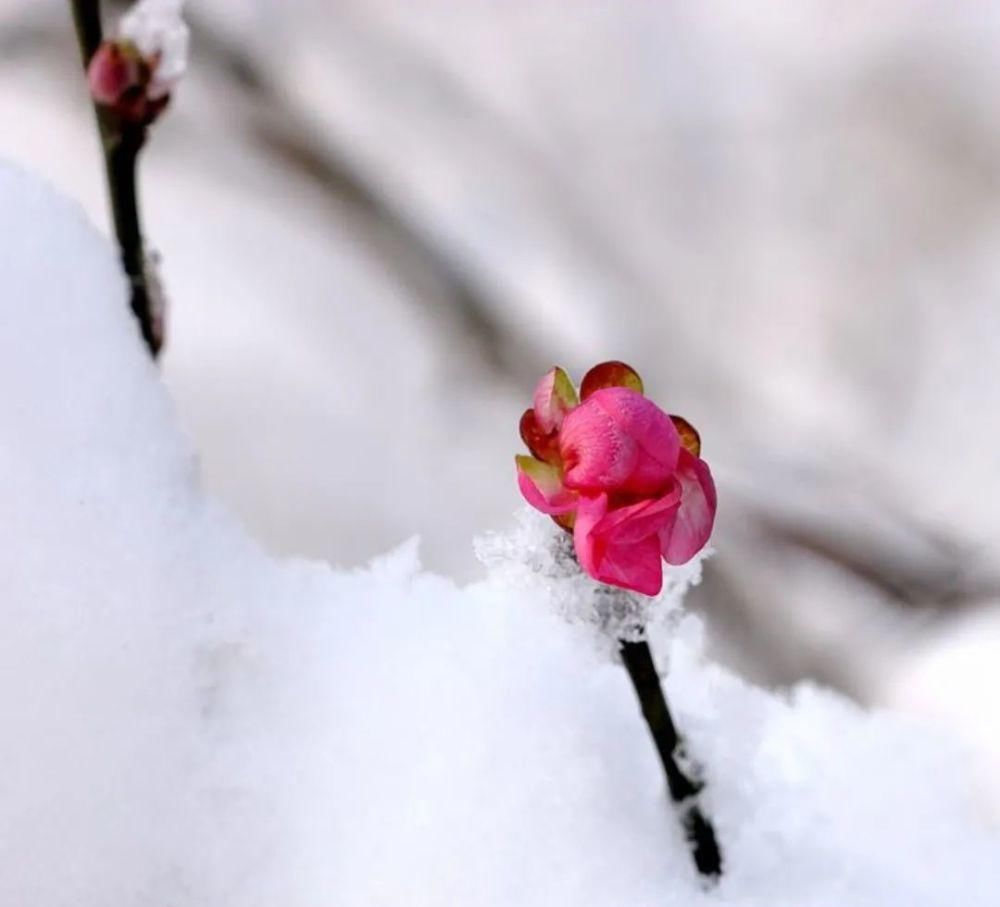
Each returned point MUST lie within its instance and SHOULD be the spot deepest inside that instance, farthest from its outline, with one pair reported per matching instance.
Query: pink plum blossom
(623, 476)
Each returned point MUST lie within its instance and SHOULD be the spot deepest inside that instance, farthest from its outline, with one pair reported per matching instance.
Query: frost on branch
(537, 558)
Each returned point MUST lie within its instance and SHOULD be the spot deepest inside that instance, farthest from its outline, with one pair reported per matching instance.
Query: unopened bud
(120, 79)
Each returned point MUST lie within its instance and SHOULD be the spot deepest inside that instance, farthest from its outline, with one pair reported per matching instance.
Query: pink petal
(638, 521)
(554, 397)
(621, 547)
(696, 515)
(541, 485)
(589, 551)
(610, 374)
(110, 73)
(617, 440)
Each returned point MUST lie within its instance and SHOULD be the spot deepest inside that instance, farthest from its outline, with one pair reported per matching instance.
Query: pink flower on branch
(617, 471)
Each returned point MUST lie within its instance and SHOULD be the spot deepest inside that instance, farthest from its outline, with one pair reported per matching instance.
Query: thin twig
(121, 143)
(89, 33)
(684, 789)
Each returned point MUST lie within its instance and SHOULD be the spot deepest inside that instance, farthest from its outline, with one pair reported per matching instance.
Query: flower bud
(624, 476)
(120, 78)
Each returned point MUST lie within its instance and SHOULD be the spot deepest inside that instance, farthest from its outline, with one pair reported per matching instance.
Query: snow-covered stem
(121, 143)
(684, 789)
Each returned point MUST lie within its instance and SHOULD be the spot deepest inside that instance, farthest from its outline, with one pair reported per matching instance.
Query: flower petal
(544, 445)
(635, 522)
(690, 439)
(541, 485)
(112, 71)
(637, 567)
(696, 515)
(610, 374)
(554, 397)
(621, 547)
(617, 440)
(589, 551)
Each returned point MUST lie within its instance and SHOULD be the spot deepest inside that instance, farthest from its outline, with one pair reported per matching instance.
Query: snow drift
(185, 721)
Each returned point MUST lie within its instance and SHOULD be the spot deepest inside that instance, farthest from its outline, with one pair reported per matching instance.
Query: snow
(540, 557)
(188, 721)
(157, 29)
(950, 678)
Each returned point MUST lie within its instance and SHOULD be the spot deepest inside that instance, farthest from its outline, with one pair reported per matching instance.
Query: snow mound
(188, 722)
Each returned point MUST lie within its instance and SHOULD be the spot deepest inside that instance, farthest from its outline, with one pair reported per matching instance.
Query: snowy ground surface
(188, 722)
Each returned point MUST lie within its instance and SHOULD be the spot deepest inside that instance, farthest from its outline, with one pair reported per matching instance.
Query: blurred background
(380, 222)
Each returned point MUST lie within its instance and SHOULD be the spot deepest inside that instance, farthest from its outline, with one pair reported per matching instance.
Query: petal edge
(554, 397)
(610, 374)
(541, 485)
(696, 514)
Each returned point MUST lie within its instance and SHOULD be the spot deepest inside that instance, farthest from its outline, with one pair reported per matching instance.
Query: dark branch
(683, 788)
(121, 143)
(87, 19)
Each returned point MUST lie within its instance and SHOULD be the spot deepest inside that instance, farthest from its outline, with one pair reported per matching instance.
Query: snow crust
(186, 721)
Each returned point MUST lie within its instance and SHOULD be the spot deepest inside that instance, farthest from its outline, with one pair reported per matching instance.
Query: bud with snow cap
(134, 73)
